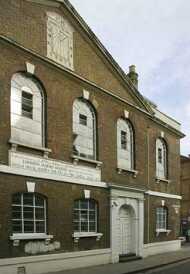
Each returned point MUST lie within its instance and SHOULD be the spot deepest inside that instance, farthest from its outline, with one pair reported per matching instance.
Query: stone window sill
(29, 236)
(78, 235)
(162, 180)
(132, 171)
(158, 231)
(76, 159)
(43, 149)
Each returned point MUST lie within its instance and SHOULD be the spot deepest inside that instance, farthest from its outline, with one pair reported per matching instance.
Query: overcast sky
(155, 36)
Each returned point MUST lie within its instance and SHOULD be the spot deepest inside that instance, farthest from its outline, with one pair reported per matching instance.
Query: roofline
(133, 90)
(72, 73)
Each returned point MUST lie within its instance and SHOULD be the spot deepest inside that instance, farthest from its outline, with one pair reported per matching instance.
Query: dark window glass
(160, 155)
(123, 139)
(28, 213)
(27, 104)
(85, 216)
(83, 119)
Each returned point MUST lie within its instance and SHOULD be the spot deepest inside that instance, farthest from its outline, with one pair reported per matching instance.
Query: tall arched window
(125, 145)
(161, 159)
(85, 215)
(84, 129)
(27, 110)
(28, 213)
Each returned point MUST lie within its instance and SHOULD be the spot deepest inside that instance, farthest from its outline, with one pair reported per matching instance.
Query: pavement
(138, 266)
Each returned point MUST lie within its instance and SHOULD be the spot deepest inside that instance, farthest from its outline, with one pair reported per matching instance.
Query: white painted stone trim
(56, 262)
(123, 196)
(30, 236)
(30, 68)
(161, 247)
(162, 194)
(31, 186)
(17, 171)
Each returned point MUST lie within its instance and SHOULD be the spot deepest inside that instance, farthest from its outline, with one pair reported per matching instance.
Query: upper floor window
(59, 40)
(161, 159)
(125, 145)
(27, 110)
(84, 129)
(161, 218)
(28, 213)
(85, 215)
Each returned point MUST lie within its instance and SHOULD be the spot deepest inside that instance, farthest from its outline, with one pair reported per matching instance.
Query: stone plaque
(62, 170)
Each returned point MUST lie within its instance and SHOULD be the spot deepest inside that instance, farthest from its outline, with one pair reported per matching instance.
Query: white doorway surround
(127, 221)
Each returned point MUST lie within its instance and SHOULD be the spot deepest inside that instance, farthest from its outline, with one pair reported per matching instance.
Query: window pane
(40, 227)
(27, 104)
(26, 95)
(28, 212)
(83, 119)
(16, 212)
(28, 226)
(92, 227)
(84, 226)
(123, 139)
(39, 213)
(39, 201)
(28, 199)
(84, 215)
(17, 226)
(92, 215)
(160, 155)
(92, 205)
(84, 204)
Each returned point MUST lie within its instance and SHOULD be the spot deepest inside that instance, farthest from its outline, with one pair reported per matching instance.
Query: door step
(128, 257)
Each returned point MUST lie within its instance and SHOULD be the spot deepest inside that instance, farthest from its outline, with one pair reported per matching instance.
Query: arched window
(161, 159)
(28, 213)
(84, 129)
(125, 145)
(27, 110)
(85, 215)
(161, 218)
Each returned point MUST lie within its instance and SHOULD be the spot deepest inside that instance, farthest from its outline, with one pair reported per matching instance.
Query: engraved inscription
(53, 167)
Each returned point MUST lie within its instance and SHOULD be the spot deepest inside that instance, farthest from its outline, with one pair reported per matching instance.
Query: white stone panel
(59, 39)
(26, 138)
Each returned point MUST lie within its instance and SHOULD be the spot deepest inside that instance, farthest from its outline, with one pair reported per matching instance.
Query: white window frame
(125, 157)
(161, 218)
(22, 219)
(23, 82)
(79, 107)
(161, 166)
(88, 210)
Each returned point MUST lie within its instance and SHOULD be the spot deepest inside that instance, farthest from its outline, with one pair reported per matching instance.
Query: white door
(125, 231)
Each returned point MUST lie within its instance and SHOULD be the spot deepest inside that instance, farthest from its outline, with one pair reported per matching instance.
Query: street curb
(157, 266)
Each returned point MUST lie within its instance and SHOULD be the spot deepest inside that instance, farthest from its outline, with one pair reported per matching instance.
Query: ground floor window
(85, 215)
(28, 213)
(161, 218)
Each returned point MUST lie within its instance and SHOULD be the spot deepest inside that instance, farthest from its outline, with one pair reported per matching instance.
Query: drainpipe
(148, 184)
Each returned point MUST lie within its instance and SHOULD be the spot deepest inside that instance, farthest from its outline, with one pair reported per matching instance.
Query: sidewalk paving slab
(138, 266)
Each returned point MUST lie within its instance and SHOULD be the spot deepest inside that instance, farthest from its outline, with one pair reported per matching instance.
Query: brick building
(185, 193)
(89, 168)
